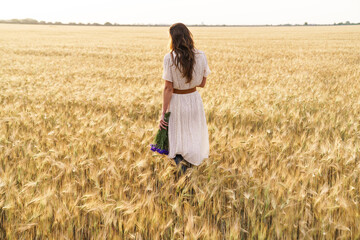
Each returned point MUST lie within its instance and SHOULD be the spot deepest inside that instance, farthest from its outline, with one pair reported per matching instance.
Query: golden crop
(80, 106)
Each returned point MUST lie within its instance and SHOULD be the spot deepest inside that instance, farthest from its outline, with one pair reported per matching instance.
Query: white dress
(187, 128)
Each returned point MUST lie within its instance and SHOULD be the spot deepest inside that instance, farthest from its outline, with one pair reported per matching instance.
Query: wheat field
(80, 107)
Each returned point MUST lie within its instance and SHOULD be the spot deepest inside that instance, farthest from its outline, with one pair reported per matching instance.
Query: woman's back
(201, 69)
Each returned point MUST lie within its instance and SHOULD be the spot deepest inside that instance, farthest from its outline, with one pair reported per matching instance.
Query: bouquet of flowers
(161, 144)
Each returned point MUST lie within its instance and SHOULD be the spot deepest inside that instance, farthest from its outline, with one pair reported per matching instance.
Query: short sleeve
(166, 71)
(206, 68)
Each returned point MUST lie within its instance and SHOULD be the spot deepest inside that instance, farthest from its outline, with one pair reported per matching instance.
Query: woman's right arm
(203, 82)
(206, 71)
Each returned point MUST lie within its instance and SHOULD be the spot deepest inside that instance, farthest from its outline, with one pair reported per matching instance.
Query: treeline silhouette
(34, 21)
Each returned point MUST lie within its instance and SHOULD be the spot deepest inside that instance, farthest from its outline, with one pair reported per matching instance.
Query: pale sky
(185, 11)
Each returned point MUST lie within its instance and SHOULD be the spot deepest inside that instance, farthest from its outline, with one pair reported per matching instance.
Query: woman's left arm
(168, 91)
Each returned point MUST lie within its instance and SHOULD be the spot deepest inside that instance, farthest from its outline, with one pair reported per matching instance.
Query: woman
(185, 68)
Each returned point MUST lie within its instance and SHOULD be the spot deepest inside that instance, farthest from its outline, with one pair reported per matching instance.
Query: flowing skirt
(187, 128)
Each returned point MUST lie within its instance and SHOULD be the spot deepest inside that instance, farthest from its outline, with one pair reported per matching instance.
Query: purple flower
(154, 148)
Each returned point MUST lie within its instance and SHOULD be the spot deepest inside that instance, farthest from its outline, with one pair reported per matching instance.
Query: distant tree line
(346, 23)
(34, 21)
(307, 24)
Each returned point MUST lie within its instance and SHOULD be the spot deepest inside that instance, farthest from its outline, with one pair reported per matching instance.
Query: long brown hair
(183, 45)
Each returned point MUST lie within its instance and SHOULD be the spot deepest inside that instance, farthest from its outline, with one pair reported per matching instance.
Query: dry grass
(80, 106)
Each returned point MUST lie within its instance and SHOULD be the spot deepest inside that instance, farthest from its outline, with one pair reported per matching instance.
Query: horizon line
(109, 24)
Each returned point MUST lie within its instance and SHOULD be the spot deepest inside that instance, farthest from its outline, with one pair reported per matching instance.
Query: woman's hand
(163, 124)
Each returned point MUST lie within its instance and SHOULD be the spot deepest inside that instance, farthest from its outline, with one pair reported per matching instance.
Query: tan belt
(190, 90)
